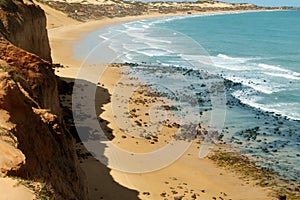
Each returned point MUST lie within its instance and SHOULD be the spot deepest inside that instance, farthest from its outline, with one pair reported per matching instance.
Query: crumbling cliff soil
(34, 143)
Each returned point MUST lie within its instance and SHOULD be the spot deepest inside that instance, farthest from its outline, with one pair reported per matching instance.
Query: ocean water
(259, 51)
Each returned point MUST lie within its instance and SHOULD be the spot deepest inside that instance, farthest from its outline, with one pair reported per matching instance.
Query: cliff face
(34, 143)
(24, 25)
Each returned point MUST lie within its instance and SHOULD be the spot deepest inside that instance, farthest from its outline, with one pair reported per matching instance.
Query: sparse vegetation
(42, 191)
(116, 8)
(243, 166)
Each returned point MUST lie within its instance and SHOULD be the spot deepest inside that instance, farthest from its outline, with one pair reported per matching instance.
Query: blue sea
(258, 51)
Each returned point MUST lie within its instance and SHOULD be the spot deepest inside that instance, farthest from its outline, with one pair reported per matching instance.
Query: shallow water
(259, 51)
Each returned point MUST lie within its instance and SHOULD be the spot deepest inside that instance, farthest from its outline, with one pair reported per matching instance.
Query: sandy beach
(187, 178)
(63, 38)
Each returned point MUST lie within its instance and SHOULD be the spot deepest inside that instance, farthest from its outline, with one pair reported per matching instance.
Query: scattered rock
(163, 194)
(146, 193)
(178, 198)
(282, 197)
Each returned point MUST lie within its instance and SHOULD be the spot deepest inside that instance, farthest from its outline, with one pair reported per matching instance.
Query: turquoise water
(259, 50)
(262, 47)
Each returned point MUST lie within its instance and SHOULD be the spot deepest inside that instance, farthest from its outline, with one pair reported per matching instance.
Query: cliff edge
(34, 143)
(24, 25)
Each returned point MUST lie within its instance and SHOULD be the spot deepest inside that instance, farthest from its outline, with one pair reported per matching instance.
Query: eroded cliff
(24, 25)
(34, 143)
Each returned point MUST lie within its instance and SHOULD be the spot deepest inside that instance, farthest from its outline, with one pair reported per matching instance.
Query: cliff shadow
(100, 183)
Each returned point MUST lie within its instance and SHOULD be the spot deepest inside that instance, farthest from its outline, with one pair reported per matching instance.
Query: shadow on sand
(100, 183)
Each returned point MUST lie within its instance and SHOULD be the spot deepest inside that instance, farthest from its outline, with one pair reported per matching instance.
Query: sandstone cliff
(24, 25)
(34, 143)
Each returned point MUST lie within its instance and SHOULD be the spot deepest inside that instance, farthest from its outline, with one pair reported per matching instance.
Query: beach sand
(188, 177)
(12, 189)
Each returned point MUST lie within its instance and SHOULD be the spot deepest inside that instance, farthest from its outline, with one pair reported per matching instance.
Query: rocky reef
(34, 143)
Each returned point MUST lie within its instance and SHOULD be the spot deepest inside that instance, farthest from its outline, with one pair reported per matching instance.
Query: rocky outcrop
(34, 143)
(24, 25)
(35, 75)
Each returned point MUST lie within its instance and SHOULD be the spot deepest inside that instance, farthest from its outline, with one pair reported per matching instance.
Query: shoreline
(71, 33)
(245, 139)
(173, 181)
(61, 41)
